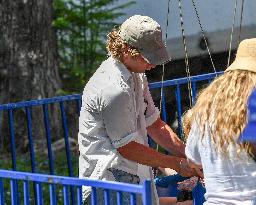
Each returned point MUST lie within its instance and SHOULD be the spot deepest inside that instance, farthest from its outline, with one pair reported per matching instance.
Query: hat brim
(156, 57)
(249, 133)
(243, 63)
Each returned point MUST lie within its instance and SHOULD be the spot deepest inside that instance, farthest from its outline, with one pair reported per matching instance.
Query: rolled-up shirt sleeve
(192, 149)
(119, 118)
(152, 112)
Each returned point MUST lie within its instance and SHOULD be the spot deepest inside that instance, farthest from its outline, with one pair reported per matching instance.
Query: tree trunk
(28, 61)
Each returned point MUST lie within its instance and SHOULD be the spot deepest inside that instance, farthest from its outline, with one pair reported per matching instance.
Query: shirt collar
(125, 73)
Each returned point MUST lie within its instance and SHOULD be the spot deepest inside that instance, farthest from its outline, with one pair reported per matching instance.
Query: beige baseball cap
(145, 34)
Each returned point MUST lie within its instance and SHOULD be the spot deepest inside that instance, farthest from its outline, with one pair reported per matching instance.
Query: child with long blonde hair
(219, 117)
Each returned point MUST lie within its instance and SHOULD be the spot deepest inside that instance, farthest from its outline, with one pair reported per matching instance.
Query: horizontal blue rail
(166, 83)
(62, 180)
(144, 190)
(40, 102)
(181, 81)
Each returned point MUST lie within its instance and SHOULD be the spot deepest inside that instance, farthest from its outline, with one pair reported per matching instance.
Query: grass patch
(23, 163)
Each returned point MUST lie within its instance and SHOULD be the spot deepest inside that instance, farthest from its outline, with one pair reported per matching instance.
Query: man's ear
(126, 54)
(125, 50)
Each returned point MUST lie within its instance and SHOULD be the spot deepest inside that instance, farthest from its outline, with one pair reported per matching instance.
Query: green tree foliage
(82, 26)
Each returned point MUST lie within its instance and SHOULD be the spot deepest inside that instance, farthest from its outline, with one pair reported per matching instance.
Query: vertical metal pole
(31, 147)
(13, 192)
(79, 195)
(94, 196)
(78, 106)
(49, 151)
(52, 194)
(26, 192)
(163, 111)
(106, 197)
(13, 154)
(65, 131)
(65, 195)
(178, 102)
(1, 192)
(133, 199)
(39, 194)
(48, 138)
(11, 130)
(193, 92)
(30, 139)
(119, 198)
(146, 194)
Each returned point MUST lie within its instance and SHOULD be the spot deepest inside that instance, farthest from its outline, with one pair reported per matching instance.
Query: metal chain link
(241, 19)
(186, 54)
(202, 31)
(231, 35)
(163, 65)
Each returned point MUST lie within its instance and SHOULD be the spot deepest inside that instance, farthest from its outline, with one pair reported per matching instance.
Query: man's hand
(198, 168)
(188, 169)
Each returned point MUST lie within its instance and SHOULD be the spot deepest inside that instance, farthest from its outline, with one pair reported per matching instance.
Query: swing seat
(167, 186)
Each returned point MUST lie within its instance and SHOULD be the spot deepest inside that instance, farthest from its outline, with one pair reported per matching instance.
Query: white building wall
(216, 17)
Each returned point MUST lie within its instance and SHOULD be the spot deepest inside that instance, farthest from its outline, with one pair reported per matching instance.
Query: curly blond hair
(223, 105)
(186, 123)
(116, 46)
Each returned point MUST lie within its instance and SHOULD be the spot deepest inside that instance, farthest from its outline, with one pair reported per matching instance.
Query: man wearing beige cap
(118, 112)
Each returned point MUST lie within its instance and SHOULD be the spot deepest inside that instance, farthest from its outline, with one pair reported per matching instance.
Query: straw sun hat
(246, 60)
(245, 57)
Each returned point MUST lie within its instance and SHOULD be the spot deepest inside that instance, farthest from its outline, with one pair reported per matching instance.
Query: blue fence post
(133, 199)
(13, 192)
(78, 106)
(49, 151)
(119, 198)
(65, 195)
(26, 192)
(65, 132)
(30, 139)
(31, 147)
(48, 138)
(79, 195)
(146, 195)
(39, 194)
(1, 192)
(94, 196)
(163, 109)
(106, 197)
(11, 130)
(193, 92)
(13, 154)
(178, 103)
(52, 194)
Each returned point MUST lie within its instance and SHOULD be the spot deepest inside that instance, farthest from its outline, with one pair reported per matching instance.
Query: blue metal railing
(50, 181)
(43, 104)
(176, 84)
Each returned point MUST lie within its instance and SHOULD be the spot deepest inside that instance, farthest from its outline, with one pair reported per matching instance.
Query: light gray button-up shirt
(116, 109)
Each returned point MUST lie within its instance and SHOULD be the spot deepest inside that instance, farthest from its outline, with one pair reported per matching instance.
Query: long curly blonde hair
(223, 105)
(116, 46)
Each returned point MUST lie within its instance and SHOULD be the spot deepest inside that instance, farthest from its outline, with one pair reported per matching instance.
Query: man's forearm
(148, 156)
(170, 141)
(163, 135)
